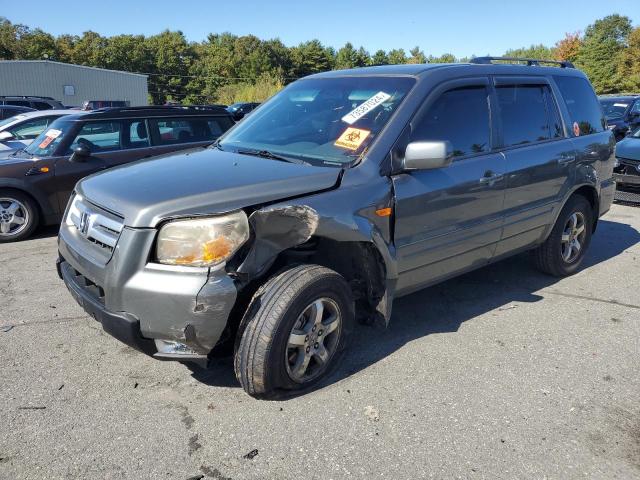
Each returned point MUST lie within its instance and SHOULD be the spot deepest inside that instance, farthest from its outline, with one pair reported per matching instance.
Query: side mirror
(6, 135)
(427, 155)
(80, 154)
(238, 115)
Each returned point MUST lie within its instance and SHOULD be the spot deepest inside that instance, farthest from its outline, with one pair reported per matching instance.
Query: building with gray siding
(71, 84)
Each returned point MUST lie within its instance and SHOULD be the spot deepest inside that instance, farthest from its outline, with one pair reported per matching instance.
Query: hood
(628, 148)
(198, 183)
(10, 146)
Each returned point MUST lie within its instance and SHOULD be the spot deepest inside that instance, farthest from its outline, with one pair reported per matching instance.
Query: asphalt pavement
(503, 373)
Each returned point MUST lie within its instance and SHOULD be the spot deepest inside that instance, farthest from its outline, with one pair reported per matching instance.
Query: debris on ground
(31, 408)
(252, 454)
(6, 328)
(372, 413)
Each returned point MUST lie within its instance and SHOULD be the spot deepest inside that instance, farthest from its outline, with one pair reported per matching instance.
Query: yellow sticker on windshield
(352, 138)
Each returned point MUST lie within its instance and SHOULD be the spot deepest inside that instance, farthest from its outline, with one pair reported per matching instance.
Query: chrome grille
(98, 227)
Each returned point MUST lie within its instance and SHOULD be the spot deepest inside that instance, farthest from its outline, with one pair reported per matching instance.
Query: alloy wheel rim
(14, 217)
(573, 237)
(313, 340)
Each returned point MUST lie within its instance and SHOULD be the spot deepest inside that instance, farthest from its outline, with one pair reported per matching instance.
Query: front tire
(564, 250)
(19, 216)
(294, 331)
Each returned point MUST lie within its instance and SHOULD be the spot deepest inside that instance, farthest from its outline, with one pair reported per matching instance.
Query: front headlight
(202, 242)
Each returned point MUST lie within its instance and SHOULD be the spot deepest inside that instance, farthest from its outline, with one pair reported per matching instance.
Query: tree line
(225, 68)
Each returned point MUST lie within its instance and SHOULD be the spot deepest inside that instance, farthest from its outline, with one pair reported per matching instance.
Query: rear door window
(526, 114)
(138, 136)
(171, 131)
(584, 109)
(99, 137)
(460, 116)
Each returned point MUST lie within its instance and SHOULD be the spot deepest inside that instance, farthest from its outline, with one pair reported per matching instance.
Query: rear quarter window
(583, 106)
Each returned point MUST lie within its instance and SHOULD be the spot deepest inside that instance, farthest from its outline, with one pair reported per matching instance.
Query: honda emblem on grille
(84, 223)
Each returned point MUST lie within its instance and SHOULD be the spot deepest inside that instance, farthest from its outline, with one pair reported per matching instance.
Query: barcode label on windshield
(361, 110)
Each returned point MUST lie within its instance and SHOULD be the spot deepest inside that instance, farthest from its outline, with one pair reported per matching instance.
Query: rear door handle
(565, 159)
(491, 177)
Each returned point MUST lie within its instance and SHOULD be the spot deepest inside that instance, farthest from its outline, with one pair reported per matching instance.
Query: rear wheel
(18, 216)
(564, 250)
(294, 331)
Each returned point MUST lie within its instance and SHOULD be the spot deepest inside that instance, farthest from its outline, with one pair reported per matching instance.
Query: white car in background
(19, 131)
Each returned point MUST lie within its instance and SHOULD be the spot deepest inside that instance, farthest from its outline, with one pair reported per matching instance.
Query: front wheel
(564, 250)
(18, 216)
(294, 331)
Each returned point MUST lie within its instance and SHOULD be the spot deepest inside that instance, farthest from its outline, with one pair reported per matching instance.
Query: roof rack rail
(531, 62)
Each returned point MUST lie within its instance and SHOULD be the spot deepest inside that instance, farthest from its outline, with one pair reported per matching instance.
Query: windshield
(9, 120)
(614, 109)
(324, 121)
(636, 133)
(45, 144)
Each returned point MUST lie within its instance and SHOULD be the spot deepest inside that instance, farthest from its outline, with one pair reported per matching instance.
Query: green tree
(65, 46)
(380, 58)
(172, 58)
(127, 53)
(397, 57)
(628, 67)
(599, 55)
(446, 58)
(417, 56)
(539, 52)
(88, 49)
(8, 39)
(311, 57)
(349, 57)
(38, 45)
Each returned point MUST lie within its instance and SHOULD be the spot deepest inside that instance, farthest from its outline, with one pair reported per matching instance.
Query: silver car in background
(18, 131)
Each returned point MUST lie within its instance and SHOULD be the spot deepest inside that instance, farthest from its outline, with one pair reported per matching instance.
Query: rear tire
(294, 331)
(19, 216)
(564, 250)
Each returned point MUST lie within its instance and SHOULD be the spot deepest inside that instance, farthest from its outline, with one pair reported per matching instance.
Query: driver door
(449, 220)
(102, 138)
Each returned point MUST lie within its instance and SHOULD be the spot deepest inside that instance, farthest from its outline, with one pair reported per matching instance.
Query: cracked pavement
(501, 373)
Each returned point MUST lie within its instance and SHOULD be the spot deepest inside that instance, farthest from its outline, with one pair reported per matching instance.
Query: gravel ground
(501, 373)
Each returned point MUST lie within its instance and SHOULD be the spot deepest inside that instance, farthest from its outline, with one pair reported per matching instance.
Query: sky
(460, 27)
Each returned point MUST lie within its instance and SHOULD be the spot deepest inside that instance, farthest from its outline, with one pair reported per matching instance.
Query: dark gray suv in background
(36, 181)
(344, 191)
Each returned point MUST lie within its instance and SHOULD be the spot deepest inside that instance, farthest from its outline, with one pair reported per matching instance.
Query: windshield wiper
(270, 156)
(21, 152)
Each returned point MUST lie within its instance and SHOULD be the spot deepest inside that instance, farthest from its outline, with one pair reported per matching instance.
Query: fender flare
(281, 227)
(564, 201)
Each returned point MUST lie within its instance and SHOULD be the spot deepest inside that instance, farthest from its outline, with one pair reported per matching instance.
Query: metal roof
(71, 65)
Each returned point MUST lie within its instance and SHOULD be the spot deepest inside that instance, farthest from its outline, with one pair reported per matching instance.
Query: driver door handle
(566, 158)
(490, 177)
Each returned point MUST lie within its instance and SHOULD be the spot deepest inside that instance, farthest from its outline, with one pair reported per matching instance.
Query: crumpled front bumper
(138, 301)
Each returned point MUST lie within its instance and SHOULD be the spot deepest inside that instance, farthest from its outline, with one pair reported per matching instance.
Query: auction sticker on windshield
(364, 108)
(352, 138)
(51, 135)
